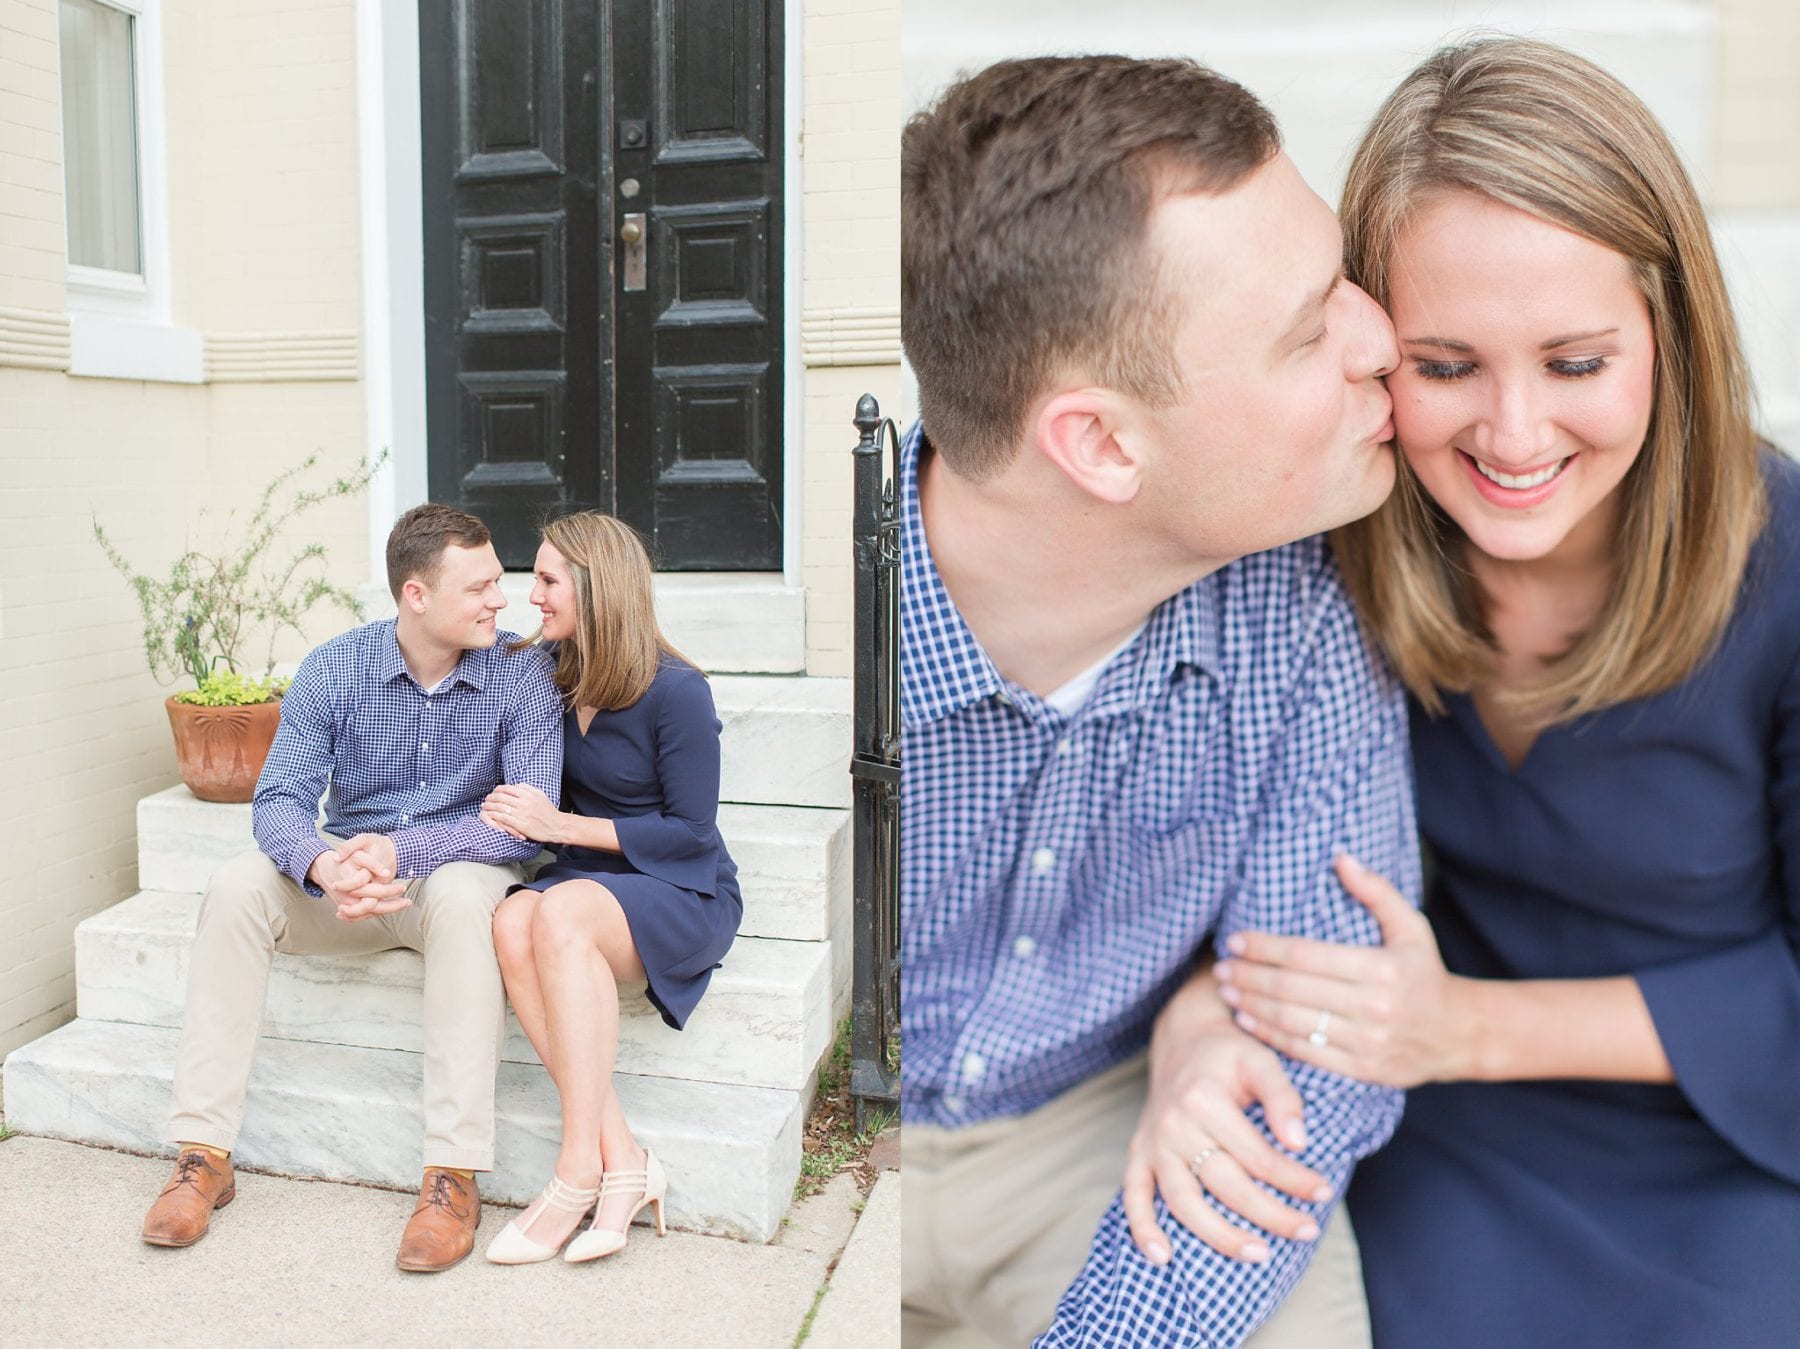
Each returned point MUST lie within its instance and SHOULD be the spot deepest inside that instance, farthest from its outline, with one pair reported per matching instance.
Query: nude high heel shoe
(651, 1184)
(513, 1247)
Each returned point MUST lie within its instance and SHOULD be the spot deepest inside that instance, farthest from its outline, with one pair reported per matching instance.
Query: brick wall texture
(263, 224)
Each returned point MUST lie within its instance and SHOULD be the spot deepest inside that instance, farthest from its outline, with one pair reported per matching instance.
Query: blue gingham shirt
(1061, 872)
(404, 762)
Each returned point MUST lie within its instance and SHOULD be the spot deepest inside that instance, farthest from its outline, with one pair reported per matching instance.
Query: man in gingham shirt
(411, 723)
(1129, 732)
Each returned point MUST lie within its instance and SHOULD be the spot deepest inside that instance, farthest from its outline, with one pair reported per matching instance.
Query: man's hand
(353, 887)
(374, 853)
(1193, 1137)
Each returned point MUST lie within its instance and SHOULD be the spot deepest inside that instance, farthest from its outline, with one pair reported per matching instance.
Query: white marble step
(725, 622)
(340, 1113)
(765, 1021)
(793, 861)
(786, 741)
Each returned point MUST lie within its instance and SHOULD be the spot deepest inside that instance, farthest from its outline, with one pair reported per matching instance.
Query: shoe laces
(439, 1196)
(187, 1167)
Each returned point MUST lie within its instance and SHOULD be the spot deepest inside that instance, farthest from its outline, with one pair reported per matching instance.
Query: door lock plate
(634, 234)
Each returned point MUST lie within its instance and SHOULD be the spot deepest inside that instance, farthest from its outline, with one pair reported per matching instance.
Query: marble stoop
(793, 865)
(765, 1021)
(335, 1088)
(786, 741)
(793, 861)
(345, 1113)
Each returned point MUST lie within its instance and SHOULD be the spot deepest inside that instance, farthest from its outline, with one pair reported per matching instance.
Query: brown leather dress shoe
(201, 1183)
(441, 1230)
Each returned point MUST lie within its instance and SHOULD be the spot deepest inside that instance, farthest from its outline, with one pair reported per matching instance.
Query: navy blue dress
(1659, 838)
(653, 770)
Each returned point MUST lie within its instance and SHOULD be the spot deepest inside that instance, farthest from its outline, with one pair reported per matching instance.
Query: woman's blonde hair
(617, 645)
(1540, 129)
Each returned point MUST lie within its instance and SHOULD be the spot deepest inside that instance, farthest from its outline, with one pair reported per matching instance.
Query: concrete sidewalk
(861, 1306)
(295, 1262)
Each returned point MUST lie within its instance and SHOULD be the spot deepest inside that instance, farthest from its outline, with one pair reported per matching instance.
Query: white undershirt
(1073, 696)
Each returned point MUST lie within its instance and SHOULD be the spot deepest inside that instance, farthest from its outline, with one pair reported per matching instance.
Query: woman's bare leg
(583, 948)
(518, 966)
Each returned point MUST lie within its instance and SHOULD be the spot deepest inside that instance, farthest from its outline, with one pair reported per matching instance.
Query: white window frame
(120, 324)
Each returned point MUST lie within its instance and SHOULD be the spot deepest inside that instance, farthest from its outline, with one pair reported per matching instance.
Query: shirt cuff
(411, 849)
(300, 861)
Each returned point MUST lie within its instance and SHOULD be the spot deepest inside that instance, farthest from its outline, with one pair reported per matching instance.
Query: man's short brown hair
(1026, 194)
(416, 544)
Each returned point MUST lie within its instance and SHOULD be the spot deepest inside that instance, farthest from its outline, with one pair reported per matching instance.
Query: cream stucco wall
(851, 287)
(263, 226)
(1758, 138)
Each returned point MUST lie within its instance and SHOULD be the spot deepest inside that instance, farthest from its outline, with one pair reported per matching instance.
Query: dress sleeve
(1341, 781)
(680, 843)
(1730, 1019)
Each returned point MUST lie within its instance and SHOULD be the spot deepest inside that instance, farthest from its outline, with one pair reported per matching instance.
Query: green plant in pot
(203, 613)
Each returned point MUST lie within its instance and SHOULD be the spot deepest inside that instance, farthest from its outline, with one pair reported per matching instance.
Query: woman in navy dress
(641, 888)
(1589, 578)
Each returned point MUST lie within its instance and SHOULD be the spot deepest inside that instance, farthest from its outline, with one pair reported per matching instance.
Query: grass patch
(812, 1311)
(831, 1142)
(5, 1131)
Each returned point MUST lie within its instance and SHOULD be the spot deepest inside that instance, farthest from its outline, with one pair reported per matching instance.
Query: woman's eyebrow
(1564, 341)
(1441, 343)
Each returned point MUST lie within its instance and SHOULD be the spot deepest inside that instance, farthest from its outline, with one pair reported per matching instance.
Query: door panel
(553, 384)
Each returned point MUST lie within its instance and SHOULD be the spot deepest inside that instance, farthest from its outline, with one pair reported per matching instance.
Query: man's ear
(1089, 436)
(412, 594)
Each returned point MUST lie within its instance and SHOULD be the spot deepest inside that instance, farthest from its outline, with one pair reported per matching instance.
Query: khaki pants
(252, 910)
(999, 1216)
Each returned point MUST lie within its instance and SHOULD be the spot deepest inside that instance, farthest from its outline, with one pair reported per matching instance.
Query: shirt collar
(944, 667)
(470, 666)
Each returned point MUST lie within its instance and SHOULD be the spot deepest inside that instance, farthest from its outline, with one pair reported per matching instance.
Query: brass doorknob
(631, 231)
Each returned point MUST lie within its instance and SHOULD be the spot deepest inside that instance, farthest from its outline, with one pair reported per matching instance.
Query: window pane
(100, 169)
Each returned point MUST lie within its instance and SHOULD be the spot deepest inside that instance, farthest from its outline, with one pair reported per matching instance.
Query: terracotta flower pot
(221, 750)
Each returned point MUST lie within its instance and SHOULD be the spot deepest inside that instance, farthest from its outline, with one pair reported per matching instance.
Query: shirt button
(424, 744)
(1023, 947)
(954, 1104)
(421, 786)
(1004, 699)
(973, 1067)
(1065, 747)
(1042, 861)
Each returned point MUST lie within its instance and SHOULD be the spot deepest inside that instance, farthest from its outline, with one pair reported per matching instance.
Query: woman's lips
(1516, 498)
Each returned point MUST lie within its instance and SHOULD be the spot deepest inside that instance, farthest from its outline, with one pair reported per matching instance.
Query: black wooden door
(602, 231)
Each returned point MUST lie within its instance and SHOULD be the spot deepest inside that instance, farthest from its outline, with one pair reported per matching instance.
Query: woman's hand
(524, 812)
(1193, 1137)
(1390, 1014)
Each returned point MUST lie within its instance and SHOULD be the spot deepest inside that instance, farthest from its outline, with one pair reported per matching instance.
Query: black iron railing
(875, 765)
